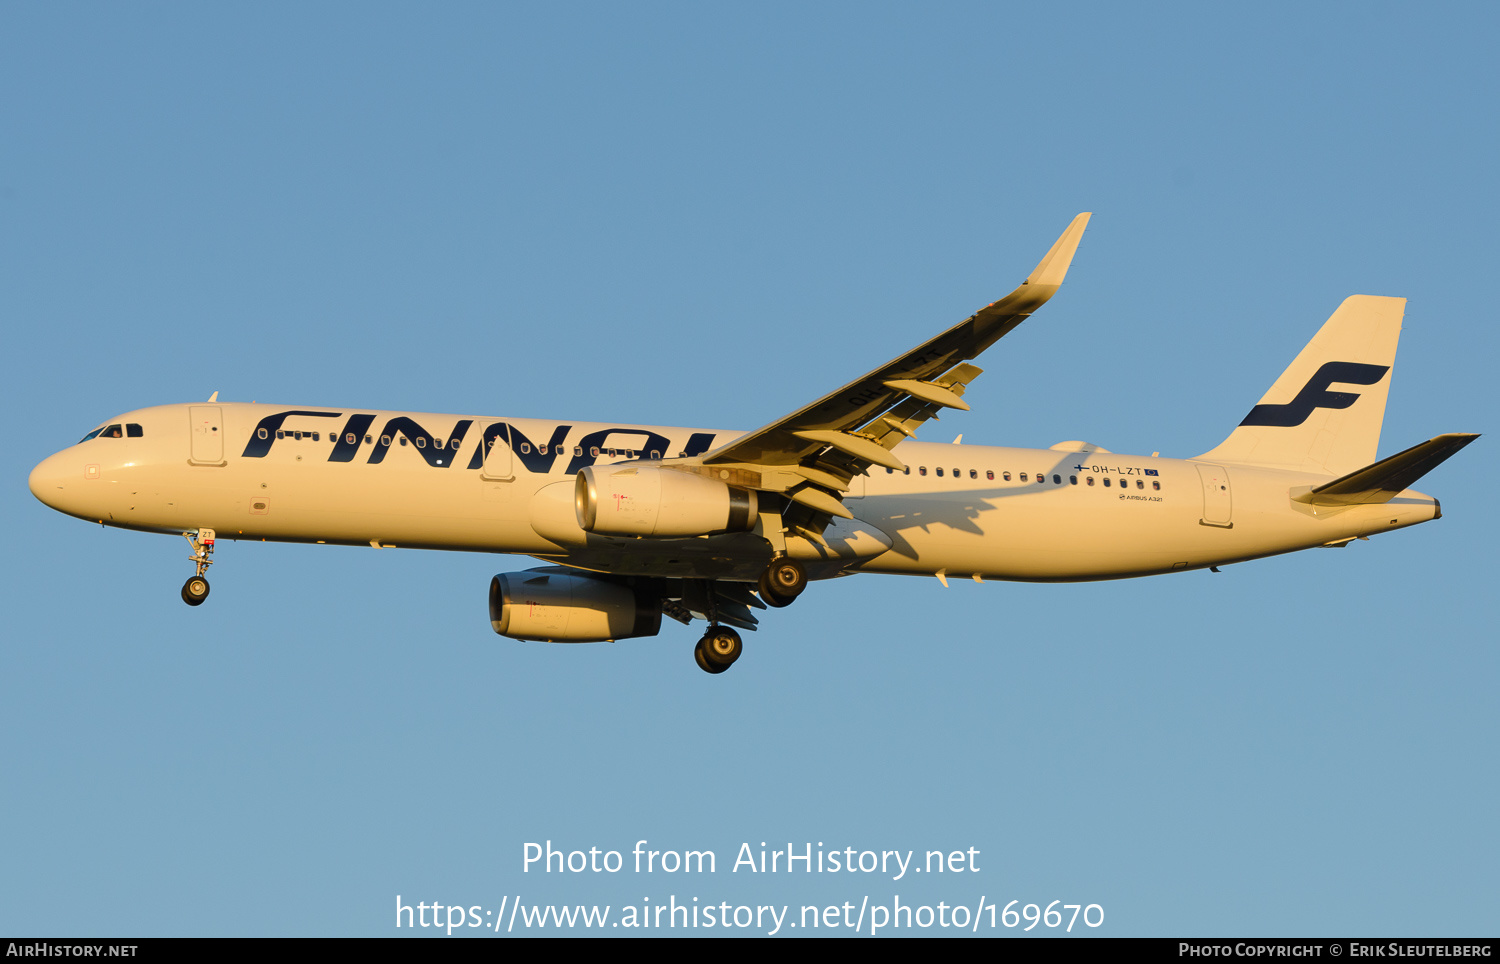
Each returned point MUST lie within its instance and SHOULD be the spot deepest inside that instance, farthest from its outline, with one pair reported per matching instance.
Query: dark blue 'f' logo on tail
(1315, 394)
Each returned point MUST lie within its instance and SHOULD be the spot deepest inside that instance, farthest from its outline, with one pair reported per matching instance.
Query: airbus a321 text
(636, 522)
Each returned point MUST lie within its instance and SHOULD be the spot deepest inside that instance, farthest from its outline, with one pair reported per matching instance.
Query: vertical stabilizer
(1324, 412)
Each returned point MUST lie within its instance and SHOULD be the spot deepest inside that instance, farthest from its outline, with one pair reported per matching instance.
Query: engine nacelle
(650, 500)
(561, 607)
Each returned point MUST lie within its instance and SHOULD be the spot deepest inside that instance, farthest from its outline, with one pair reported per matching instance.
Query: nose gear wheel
(195, 590)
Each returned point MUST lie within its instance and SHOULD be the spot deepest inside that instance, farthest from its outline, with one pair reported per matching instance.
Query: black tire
(195, 590)
(782, 581)
(721, 646)
(703, 662)
(770, 598)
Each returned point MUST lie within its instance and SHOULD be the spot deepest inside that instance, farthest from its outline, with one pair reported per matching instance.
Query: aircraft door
(206, 424)
(1218, 499)
(499, 458)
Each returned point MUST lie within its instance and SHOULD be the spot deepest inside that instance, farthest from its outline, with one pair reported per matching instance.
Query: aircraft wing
(813, 453)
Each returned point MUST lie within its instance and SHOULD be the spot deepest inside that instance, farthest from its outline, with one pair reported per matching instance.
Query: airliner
(637, 522)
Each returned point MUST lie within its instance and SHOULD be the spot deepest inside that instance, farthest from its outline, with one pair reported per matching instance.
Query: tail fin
(1302, 423)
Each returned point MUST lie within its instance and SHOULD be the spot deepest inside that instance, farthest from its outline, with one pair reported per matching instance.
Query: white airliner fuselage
(642, 522)
(1072, 512)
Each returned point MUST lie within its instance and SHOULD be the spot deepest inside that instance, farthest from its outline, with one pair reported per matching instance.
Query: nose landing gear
(195, 590)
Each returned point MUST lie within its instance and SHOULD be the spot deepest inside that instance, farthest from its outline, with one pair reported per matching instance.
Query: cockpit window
(115, 430)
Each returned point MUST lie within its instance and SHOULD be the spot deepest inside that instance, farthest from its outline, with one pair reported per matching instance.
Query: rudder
(1302, 422)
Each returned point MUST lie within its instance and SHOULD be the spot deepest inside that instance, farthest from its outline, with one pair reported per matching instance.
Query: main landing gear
(782, 582)
(718, 649)
(195, 590)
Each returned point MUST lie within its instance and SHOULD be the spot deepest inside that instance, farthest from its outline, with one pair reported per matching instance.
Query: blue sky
(709, 215)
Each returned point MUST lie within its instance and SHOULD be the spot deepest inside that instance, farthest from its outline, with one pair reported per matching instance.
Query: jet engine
(558, 606)
(651, 500)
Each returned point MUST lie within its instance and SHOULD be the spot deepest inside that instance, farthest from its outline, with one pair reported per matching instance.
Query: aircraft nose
(51, 481)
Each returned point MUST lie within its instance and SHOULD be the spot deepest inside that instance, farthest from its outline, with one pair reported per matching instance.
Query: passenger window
(280, 433)
(401, 439)
(541, 449)
(1156, 486)
(577, 450)
(1007, 476)
(367, 440)
(594, 451)
(1139, 484)
(1057, 480)
(422, 442)
(262, 433)
(1091, 480)
(1106, 481)
(957, 474)
(922, 470)
(889, 470)
(655, 454)
(973, 473)
(133, 430)
(1023, 476)
(908, 471)
(453, 445)
(385, 440)
(317, 436)
(525, 448)
(990, 474)
(349, 438)
(940, 473)
(1072, 480)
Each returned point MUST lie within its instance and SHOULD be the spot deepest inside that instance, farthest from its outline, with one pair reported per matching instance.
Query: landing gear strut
(782, 582)
(195, 590)
(718, 649)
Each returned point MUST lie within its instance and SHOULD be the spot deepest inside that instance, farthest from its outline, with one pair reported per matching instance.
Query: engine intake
(563, 607)
(650, 500)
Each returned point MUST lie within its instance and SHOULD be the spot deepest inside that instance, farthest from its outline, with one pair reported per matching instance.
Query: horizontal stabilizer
(1385, 479)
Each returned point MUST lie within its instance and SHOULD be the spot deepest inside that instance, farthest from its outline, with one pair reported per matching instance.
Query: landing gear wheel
(721, 646)
(195, 590)
(782, 581)
(703, 662)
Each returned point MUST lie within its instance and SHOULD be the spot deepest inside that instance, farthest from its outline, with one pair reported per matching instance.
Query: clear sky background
(709, 215)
